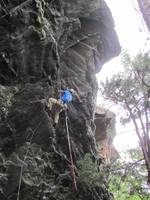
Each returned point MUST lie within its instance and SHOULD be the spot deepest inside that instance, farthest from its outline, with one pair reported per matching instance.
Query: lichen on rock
(46, 46)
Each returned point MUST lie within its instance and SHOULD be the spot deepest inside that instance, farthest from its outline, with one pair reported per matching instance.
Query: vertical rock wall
(104, 134)
(45, 46)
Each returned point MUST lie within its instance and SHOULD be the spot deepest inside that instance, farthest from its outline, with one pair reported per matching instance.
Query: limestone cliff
(45, 46)
(104, 134)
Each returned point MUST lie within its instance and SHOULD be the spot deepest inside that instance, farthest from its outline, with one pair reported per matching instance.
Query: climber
(57, 106)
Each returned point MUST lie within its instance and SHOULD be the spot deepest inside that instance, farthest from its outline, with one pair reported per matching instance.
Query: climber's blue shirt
(66, 97)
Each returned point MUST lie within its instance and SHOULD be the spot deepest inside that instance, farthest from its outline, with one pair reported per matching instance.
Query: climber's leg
(51, 102)
(56, 116)
(55, 106)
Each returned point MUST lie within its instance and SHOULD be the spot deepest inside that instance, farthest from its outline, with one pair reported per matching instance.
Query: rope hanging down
(72, 169)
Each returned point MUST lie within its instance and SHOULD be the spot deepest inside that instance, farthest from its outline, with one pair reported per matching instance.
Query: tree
(127, 180)
(131, 90)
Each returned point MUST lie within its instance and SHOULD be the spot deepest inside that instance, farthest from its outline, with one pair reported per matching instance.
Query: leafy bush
(127, 180)
(89, 173)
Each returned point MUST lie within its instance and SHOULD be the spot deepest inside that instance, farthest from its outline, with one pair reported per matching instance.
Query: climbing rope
(72, 169)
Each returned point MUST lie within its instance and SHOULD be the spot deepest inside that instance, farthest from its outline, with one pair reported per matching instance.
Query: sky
(133, 36)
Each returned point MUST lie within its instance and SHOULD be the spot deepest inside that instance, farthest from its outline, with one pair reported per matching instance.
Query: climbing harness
(71, 166)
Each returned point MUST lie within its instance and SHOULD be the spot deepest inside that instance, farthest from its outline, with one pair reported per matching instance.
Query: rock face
(46, 46)
(145, 9)
(104, 134)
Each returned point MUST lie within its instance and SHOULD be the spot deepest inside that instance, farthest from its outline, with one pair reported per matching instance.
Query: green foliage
(120, 190)
(131, 90)
(131, 84)
(128, 180)
(88, 172)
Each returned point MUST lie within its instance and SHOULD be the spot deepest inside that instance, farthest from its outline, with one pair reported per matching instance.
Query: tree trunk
(142, 142)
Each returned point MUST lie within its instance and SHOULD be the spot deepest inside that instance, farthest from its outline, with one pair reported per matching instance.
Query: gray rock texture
(45, 46)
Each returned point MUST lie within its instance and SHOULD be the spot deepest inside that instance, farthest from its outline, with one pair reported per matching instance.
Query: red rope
(71, 166)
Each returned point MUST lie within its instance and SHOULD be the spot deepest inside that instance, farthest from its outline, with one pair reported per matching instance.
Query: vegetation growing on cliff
(89, 172)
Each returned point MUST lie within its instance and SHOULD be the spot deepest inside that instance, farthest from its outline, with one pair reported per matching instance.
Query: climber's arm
(60, 91)
(76, 95)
